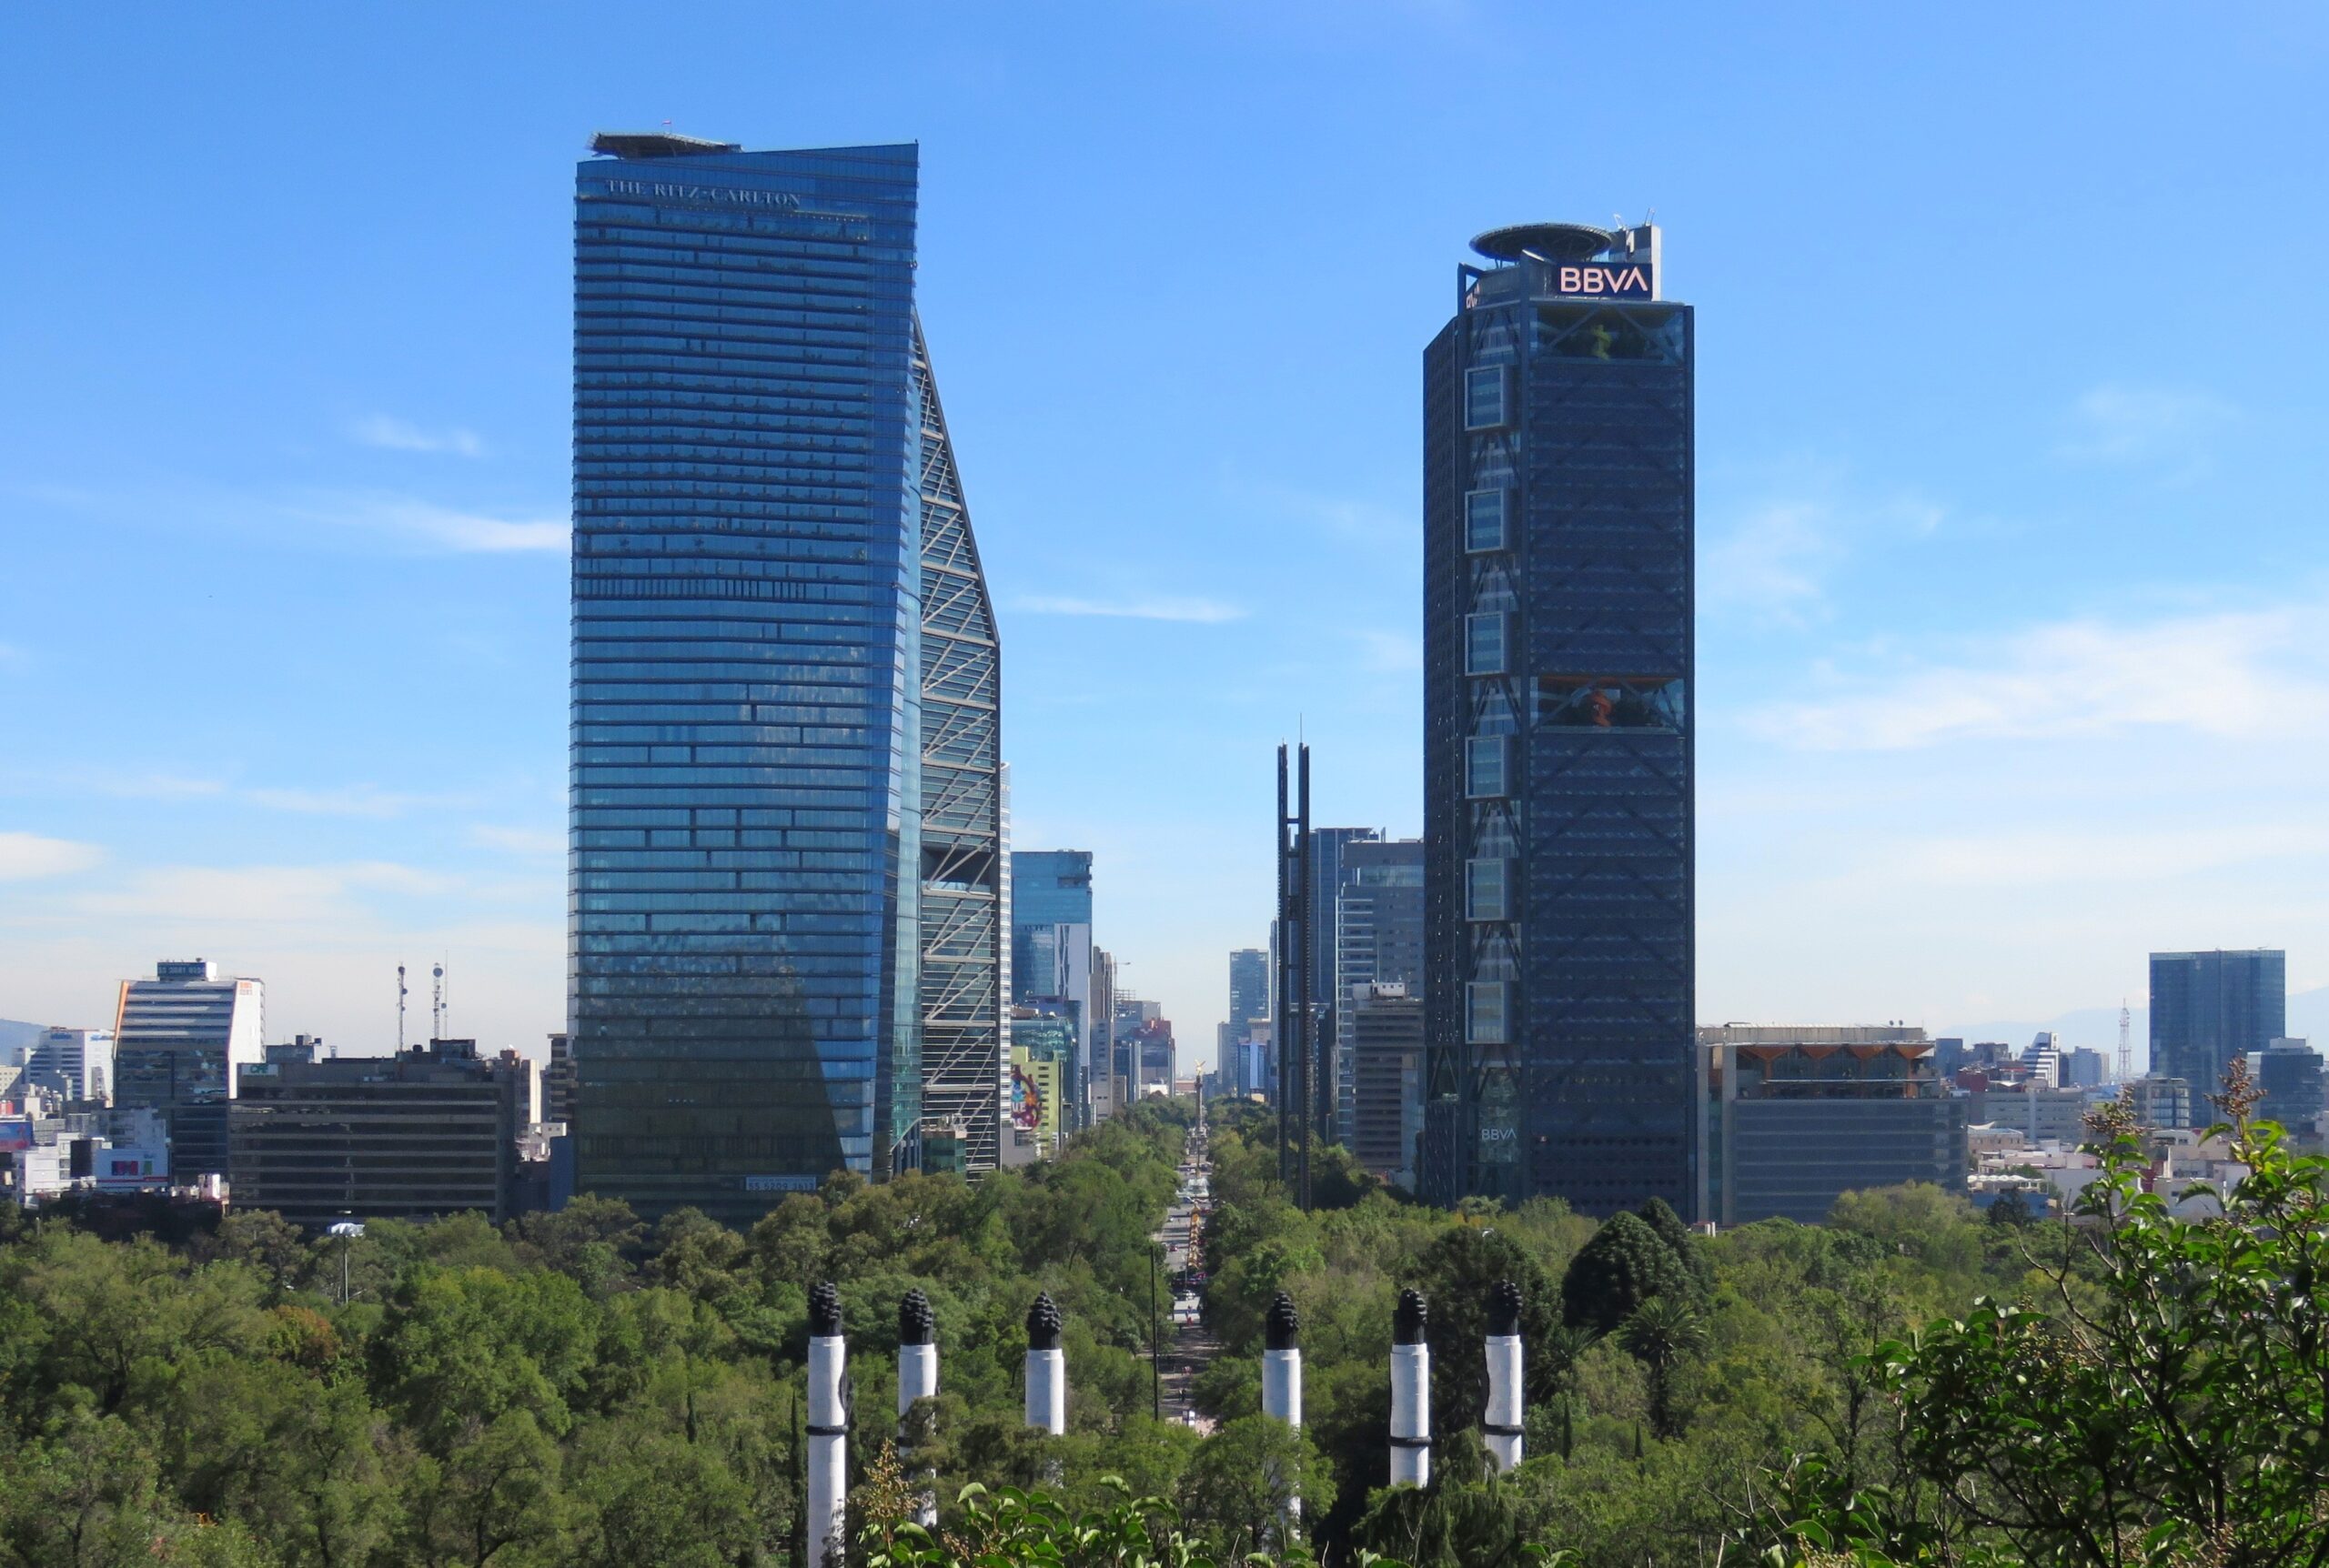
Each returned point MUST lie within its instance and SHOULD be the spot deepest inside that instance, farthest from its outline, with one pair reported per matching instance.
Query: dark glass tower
(2208, 1008)
(747, 848)
(1558, 787)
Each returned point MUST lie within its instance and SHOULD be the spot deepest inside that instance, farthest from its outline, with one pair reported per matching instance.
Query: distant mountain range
(2098, 1026)
(16, 1036)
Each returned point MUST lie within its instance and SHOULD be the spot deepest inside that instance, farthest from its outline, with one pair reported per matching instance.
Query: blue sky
(2011, 467)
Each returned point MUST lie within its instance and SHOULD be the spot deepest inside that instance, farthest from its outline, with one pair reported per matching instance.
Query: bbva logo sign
(1630, 280)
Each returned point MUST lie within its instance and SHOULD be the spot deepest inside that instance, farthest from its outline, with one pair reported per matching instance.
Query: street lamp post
(346, 1230)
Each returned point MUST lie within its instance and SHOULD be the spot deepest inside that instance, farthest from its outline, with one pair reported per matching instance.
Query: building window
(1483, 397)
(1484, 767)
(1483, 1012)
(1484, 889)
(1484, 519)
(1483, 643)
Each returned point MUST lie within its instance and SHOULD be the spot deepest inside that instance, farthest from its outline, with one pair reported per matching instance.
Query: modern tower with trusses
(1558, 774)
(966, 984)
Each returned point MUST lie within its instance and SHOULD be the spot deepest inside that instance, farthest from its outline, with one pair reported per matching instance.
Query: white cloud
(424, 523)
(397, 436)
(2119, 424)
(1390, 652)
(1773, 562)
(366, 800)
(266, 895)
(348, 801)
(1776, 562)
(2087, 858)
(1202, 611)
(24, 856)
(519, 841)
(156, 787)
(2225, 676)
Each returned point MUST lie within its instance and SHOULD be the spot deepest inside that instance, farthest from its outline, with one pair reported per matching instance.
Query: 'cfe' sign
(1601, 281)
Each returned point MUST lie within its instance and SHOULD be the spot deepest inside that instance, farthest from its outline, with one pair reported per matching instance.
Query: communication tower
(400, 995)
(2126, 1056)
(437, 1002)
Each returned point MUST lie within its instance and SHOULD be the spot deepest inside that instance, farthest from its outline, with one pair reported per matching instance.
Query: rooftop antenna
(401, 1009)
(2126, 1057)
(437, 1003)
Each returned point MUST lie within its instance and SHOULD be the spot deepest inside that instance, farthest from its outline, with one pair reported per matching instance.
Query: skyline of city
(345, 770)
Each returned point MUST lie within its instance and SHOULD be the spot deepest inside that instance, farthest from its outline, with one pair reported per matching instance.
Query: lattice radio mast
(2126, 1055)
(400, 995)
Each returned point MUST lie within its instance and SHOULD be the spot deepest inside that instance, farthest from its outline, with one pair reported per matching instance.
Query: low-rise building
(432, 1130)
(98, 1151)
(2039, 1112)
(2163, 1104)
(1796, 1116)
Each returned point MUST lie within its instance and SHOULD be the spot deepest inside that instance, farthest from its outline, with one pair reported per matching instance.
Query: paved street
(1187, 1345)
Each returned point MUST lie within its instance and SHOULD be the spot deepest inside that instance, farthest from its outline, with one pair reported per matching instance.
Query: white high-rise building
(180, 1040)
(71, 1063)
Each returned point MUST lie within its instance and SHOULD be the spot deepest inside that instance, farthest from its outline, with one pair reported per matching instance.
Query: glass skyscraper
(762, 494)
(2208, 1008)
(1557, 784)
(1051, 957)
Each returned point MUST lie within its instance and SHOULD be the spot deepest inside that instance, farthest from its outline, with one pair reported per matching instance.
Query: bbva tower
(1560, 1057)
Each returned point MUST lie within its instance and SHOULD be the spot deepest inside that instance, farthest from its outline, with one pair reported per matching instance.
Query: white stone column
(1410, 1394)
(917, 1378)
(1282, 1363)
(828, 1479)
(1502, 1429)
(1046, 1368)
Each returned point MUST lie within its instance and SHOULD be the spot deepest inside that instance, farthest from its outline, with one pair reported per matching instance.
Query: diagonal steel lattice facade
(1559, 777)
(965, 932)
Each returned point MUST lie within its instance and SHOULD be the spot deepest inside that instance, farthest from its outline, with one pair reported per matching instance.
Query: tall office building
(1329, 849)
(776, 617)
(181, 1042)
(2209, 1007)
(1557, 793)
(71, 1063)
(2288, 1072)
(1111, 1082)
(1051, 956)
(965, 881)
(1387, 1079)
(1249, 998)
(1378, 942)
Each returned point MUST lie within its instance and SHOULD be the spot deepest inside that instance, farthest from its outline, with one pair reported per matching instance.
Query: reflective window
(1616, 702)
(1484, 757)
(1483, 397)
(1483, 643)
(1484, 513)
(1483, 1012)
(1483, 888)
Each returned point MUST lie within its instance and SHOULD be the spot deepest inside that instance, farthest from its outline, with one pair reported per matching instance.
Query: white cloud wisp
(393, 434)
(2231, 675)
